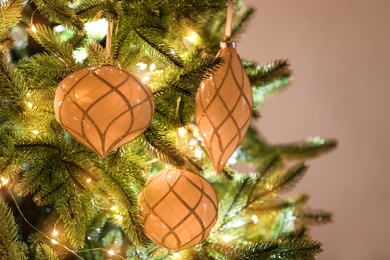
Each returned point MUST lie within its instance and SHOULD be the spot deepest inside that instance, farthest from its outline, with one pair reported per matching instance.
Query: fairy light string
(55, 232)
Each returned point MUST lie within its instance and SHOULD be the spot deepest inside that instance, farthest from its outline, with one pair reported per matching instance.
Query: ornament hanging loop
(229, 20)
(109, 38)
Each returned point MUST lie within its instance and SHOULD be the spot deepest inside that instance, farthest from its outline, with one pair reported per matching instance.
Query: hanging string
(229, 20)
(109, 38)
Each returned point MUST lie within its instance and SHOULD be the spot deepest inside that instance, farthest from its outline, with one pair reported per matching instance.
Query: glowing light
(88, 180)
(141, 65)
(96, 27)
(113, 208)
(119, 217)
(227, 238)
(54, 242)
(152, 67)
(33, 29)
(55, 233)
(255, 219)
(181, 131)
(192, 37)
(232, 160)
(176, 255)
(316, 140)
(4, 181)
(193, 142)
(145, 79)
(111, 252)
(29, 104)
(35, 132)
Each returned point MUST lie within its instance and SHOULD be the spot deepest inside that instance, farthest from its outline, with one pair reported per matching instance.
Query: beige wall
(340, 53)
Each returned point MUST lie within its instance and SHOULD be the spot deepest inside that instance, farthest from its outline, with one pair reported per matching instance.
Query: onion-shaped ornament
(103, 107)
(224, 105)
(179, 208)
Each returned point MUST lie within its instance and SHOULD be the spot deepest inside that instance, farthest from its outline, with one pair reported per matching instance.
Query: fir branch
(315, 217)
(60, 12)
(311, 148)
(10, 247)
(75, 210)
(271, 204)
(279, 182)
(89, 9)
(11, 12)
(157, 48)
(120, 41)
(162, 148)
(96, 54)
(43, 72)
(242, 17)
(248, 250)
(120, 190)
(12, 86)
(270, 163)
(45, 252)
(266, 75)
(175, 91)
(298, 249)
(235, 200)
(254, 148)
(193, 254)
(52, 42)
(299, 233)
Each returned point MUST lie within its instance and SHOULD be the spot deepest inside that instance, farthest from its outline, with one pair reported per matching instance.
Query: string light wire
(54, 241)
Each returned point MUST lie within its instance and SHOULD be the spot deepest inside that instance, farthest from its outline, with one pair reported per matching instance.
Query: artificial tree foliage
(59, 200)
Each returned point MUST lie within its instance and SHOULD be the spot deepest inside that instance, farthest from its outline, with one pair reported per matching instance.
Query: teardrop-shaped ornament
(224, 105)
(103, 107)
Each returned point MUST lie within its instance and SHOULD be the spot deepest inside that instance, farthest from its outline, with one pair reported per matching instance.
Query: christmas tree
(78, 177)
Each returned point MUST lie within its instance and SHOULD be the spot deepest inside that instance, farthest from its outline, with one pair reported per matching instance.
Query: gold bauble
(103, 107)
(179, 208)
(224, 105)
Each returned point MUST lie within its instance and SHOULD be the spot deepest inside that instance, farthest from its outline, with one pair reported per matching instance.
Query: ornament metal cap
(228, 43)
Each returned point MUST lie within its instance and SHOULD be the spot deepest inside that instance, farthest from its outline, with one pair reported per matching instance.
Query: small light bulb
(192, 37)
(119, 217)
(182, 132)
(193, 142)
(145, 79)
(33, 29)
(227, 238)
(111, 252)
(113, 208)
(29, 104)
(141, 65)
(255, 219)
(152, 67)
(4, 181)
(88, 180)
(176, 255)
(54, 242)
(55, 233)
(35, 132)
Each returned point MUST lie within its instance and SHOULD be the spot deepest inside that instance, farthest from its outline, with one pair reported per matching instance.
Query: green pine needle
(10, 247)
(59, 11)
(315, 217)
(298, 249)
(45, 252)
(11, 11)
